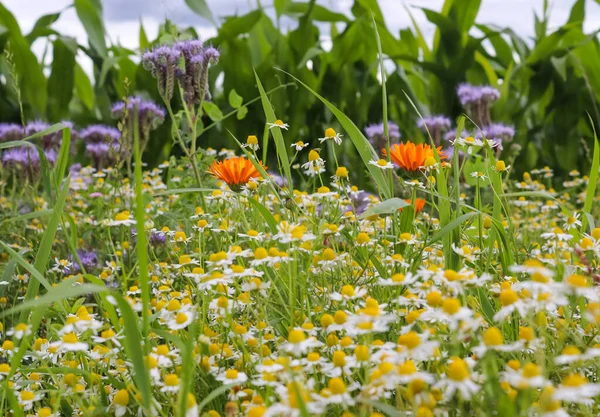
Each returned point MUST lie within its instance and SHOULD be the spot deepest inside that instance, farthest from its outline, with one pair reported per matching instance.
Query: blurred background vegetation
(548, 84)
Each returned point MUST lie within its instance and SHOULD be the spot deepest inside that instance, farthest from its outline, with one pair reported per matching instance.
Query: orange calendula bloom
(410, 156)
(234, 171)
(419, 204)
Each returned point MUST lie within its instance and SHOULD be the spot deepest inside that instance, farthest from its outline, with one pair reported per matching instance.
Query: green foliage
(547, 85)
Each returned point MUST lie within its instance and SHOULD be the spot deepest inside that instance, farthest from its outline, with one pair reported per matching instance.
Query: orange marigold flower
(234, 171)
(410, 156)
(419, 204)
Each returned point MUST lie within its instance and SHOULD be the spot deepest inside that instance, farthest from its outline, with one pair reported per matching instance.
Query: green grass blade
(26, 265)
(214, 394)
(183, 191)
(276, 132)
(590, 192)
(60, 292)
(142, 240)
(364, 148)
(451, 226)
(28, 216)
(133, 347)
(266, 214)
(63, 157)
(43, 253)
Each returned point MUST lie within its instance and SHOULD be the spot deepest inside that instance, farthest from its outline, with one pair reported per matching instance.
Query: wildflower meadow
(408, 264)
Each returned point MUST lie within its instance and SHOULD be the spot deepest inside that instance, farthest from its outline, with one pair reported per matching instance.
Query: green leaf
(364, 148)
(212, 111)
(276, 132)
(236, 25)
(280, 6)
(385, 207)
(201, 9)
(31, 78)
(235, 100)
(91, 19)
(318, 13)
(241, 113)
(42, 27)
(62, 78)
(83, 87)
(266, 214)
(143, 38)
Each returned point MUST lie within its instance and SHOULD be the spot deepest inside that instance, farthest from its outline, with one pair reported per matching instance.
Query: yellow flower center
(121, 397)
(337, 386)
(493, 337)
(124, 215)
(531, 370)
(574, 380)
(458, 370)
(70, 338)
(27, 396)
(313, 156)
(231, 374)
(451, 305)
(171, 380)
(296, 336)
(411, 340)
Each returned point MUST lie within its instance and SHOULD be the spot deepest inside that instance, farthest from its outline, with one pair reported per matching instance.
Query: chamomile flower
(278, 124)
(331, 134)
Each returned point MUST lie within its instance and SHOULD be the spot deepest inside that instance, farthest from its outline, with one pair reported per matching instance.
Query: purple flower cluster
(10, 132)
(164, 63)
(101, 143)
(442, 123)
(50, 141)
(477, 101)
(150, 115)
(376, 136)
(25, 160)
(497, 131)
(436, 126)
(89, 260)
(475, 94)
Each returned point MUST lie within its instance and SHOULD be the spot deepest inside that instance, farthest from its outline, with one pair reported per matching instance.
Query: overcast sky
(122, 16)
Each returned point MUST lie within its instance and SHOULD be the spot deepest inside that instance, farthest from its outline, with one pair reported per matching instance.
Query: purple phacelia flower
(149, 117)
(157, 238)
(89, 260)
(102, 143)
(436, 126)
(162, 62)
(375, 134)
(476, 100)
(100, 134)
(497, 131)
(10, 132)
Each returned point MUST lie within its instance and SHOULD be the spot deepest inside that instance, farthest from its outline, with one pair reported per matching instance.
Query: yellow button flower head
(331, 134)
